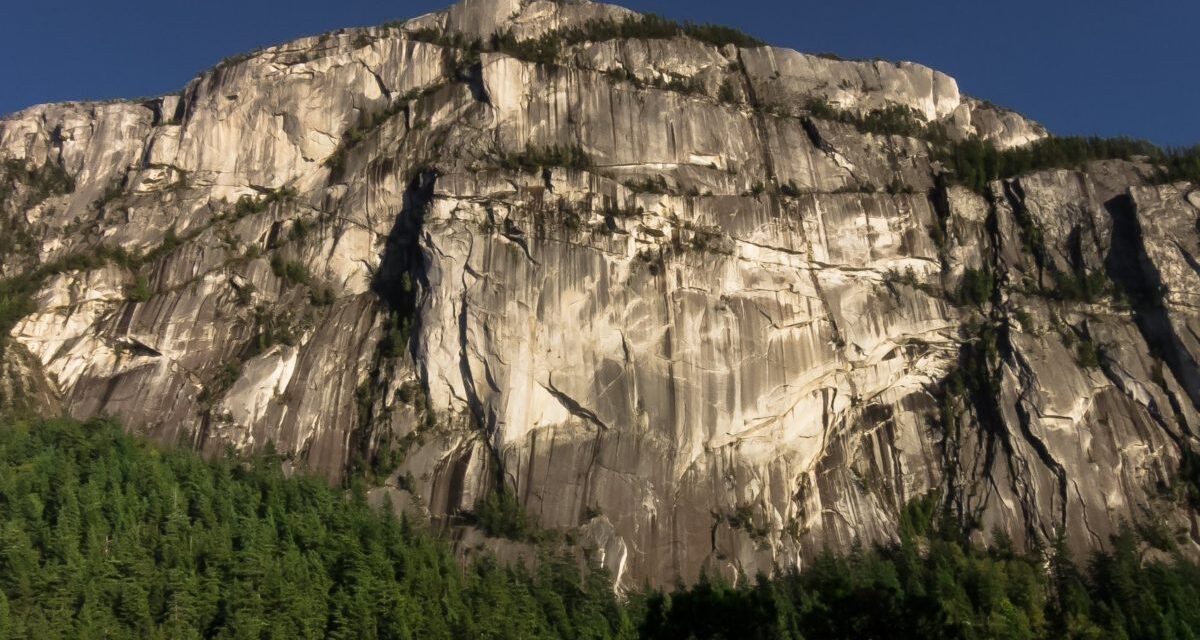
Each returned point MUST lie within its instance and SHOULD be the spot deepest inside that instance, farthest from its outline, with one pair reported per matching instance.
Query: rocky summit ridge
(696, 302)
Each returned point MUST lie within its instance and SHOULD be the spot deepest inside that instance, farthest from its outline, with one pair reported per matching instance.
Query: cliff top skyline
(1107, 71)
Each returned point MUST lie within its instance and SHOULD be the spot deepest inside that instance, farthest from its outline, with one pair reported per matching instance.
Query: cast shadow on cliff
(1130, 267)
(401, 273)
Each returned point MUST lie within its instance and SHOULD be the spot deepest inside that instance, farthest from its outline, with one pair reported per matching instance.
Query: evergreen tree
(103, 536)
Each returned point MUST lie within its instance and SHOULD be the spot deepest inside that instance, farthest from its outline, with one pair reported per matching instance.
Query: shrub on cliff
(541, 50)
(500, 514)
(975, 162)
(651, 26)
(545, 48)
(39, 182)
(894, 120)
(16, 302)
(975, 287)
(535, 157)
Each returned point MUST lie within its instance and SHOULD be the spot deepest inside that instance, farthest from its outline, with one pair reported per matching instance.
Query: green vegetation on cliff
(975, 163)
(933, 585)
(545, 49)
(102, 535)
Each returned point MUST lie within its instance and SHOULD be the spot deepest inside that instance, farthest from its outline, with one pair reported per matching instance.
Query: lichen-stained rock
(679, 311)
(630, 132)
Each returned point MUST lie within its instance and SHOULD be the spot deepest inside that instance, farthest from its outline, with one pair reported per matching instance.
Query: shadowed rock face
(664, 352)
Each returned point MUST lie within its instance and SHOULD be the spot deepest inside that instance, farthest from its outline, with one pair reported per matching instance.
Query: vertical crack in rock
(474, 404)
(1024, 421)
(838, 336)
(991, 415)
(1015, 196)
(573, 406)
(401, 276)
(759, 117)
(814, 135)
(383, 88)
(474, 80)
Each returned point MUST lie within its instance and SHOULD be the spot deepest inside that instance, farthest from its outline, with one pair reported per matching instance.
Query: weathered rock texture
(666, 352)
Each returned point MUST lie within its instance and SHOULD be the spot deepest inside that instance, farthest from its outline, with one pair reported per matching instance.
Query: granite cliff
(670, 290)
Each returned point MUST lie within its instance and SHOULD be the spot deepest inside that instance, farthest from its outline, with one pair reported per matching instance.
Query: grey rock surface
(664, 352)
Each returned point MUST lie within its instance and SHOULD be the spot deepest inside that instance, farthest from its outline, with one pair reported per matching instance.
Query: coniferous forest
(105, 536)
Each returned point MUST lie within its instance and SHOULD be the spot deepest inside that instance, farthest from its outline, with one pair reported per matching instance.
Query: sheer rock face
(664, 352)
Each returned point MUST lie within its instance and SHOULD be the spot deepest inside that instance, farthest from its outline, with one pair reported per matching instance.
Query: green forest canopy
(103, 535)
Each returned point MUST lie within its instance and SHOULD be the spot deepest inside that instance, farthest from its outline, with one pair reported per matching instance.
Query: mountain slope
(685, 296)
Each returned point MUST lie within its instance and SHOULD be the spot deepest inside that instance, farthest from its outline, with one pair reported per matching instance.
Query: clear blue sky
(1107, 67)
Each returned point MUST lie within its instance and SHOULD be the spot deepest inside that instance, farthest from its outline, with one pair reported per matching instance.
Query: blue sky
(1103, 67)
